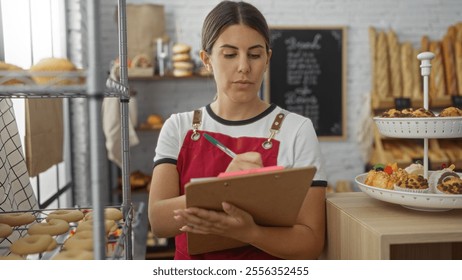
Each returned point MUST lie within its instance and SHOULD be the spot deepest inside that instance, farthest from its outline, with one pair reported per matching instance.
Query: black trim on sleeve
(164, 160)
(319, 183)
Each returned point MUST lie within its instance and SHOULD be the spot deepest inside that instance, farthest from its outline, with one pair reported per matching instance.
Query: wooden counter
(361, 228)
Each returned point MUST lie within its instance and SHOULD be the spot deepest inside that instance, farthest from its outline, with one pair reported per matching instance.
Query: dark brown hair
(228, 13)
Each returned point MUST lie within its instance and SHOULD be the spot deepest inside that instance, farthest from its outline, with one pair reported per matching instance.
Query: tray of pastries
(420, 123)
(442, 190)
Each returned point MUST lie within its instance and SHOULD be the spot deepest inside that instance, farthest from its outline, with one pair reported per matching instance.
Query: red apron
(199, 158)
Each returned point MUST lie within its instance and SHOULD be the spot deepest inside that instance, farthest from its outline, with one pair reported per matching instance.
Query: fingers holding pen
(245, 161)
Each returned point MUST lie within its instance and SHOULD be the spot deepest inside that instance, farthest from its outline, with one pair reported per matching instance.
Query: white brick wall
(410, 19)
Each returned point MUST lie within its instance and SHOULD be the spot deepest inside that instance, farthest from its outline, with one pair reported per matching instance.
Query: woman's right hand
(245, 161)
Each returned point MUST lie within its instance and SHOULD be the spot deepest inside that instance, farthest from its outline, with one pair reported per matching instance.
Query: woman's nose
(244, 65)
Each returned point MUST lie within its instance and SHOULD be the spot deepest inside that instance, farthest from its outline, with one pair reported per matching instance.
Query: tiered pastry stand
(422, 128)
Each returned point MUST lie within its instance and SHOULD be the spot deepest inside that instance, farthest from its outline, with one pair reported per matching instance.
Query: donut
(109, 214)
(109, 226)
(52, 227)
(82, 240)
(5, 230)
(12, 257)
(67, 215)
(75, 254)
(183, 65)
(33, 244)
(16, 219)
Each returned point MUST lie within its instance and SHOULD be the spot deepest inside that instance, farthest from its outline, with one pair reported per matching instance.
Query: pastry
(415, 168)
(413, 183)
(450, 185)
(392, 113)
(54, 64)
(422, 113)
(437, 177)
(141, 61)
(451, 112)
(154, 120)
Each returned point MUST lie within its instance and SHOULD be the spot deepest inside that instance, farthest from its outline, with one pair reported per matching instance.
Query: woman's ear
(205, 58)
(270, 52)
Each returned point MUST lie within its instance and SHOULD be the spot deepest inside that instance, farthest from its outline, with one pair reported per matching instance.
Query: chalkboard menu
(306, 76)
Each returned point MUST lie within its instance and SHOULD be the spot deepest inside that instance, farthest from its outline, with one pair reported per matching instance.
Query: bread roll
(141, 61)
(53, 64)
(182, 73)
(10, 67)
(181, 48)
(395, 64)
(383, 78)
(183, 65)
(181, 57)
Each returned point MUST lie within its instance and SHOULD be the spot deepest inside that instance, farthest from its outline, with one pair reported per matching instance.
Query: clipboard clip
(273, 130)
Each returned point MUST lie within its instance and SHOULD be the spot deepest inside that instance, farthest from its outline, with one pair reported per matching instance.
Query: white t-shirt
(299, 144)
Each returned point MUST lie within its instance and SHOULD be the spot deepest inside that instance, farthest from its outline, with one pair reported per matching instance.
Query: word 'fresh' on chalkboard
(306, 76)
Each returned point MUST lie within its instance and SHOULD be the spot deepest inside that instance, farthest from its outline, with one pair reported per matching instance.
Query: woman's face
(238, 61)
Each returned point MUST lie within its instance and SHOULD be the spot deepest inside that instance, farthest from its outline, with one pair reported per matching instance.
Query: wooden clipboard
(273, 198)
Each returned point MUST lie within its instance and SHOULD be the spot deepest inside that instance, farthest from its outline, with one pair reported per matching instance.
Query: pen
(220, 146)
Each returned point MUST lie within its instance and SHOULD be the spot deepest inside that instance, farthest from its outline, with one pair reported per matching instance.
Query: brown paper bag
(44, 134)
(145, 23)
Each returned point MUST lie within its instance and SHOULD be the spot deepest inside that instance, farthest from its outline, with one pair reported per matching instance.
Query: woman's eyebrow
(236, 48)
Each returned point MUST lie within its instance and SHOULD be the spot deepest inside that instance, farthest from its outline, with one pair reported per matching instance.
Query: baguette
(383, 78)
(437, 82)
(373, 58)
(449, 64)
(407, 69)
(425, 44)
(458, 65)
(417, 76)
(395, 65)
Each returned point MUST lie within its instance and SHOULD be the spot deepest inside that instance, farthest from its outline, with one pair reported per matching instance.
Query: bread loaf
(383, 68)
(53, 64)
(407, 69)
(425, 44)
(373, 58)
(395, 64)
(10, 67)
(437, 81)
(458, 65)
(449, 63)
(417, 76)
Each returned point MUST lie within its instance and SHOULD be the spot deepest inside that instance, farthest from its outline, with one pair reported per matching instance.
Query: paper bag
(145, 23)
(44, 134)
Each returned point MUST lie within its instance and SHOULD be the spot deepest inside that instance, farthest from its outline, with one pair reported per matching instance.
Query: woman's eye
(229, 55)
(254, 56)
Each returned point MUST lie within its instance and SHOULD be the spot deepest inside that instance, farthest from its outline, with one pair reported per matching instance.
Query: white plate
(432, 127)
(416, 201)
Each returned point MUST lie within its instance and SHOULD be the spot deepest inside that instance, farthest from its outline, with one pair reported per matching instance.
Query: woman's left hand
(233, 222)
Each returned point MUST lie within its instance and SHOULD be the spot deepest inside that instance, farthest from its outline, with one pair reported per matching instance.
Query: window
(32, 30)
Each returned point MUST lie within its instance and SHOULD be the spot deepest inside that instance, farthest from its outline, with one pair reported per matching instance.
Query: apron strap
(196, 123)
(275, 127)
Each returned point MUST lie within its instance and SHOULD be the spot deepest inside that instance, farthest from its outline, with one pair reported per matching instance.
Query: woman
(235, 48)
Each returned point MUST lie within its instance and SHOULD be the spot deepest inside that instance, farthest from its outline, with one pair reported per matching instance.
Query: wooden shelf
(170, 77)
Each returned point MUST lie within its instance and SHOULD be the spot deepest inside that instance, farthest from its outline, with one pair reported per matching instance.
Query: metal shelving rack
(95, 90)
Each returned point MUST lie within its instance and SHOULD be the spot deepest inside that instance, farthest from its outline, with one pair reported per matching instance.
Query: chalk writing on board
(306, 76)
